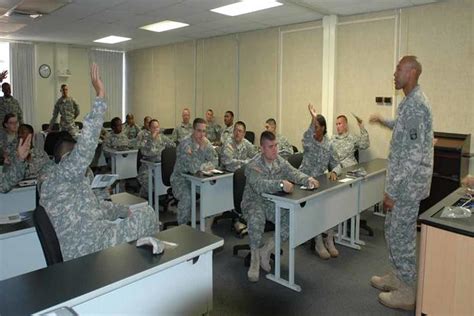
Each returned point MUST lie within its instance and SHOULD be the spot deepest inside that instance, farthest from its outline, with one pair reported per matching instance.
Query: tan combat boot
(386, 283)
(320, 248)
(403, 298)
(329, 243)
(254, 269)
(265, 253)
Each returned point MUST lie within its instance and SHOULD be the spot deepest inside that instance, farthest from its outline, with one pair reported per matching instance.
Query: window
(5, 60)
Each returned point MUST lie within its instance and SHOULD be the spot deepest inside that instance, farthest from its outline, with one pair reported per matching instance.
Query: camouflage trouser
(142, 178)
(182, 192)
(400, 236)
(141, 223)
(256, 217)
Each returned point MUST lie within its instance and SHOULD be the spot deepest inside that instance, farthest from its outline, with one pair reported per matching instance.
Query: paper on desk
(345, 180)
(103, 180)
(216, 171)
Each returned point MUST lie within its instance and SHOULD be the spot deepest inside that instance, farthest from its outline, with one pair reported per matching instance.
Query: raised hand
(3, 75)
(312, 110)
(24, 147)
(96, 81)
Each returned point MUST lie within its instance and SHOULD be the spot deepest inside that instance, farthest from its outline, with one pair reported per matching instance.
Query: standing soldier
(410, 167)
(69, 110)
(8, 104)
(194, 153)
(185, 128)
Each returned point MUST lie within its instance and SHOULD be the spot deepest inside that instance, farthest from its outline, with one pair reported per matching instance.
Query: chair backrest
(107, 124)
(168, 131)
(139, 160)
(356, 155)
(250, 136)
(79, 125)
(50, 142)
(168, 159)
(295, 149)
(47, 236)
(239, 186)
(295, 160)
(44, 126)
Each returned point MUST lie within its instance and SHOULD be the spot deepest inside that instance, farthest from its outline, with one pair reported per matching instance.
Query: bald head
(412, 62)
(407, 73)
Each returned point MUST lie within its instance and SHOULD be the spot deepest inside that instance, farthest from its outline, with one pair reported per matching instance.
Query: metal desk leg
(155, 192)
(150, 175)
(357, 232)
(114, 170)
(193, 205)
(202, 220)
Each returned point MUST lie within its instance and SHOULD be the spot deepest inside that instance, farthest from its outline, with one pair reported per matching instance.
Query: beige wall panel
(184, 67)
(442, 36)
(46, 91)
(364, 70)
(302, 55)
(218, 76)
(164, 85)
(258, 78)
(140, 83)
(79, 83)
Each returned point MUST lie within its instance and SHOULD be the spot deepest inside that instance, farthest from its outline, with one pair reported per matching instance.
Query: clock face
(44, 71)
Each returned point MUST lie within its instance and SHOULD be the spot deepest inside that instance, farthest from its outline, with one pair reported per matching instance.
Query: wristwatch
(282, 186)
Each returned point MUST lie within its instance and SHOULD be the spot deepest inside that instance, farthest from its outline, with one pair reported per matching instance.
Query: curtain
(22, 67)
(111, 71)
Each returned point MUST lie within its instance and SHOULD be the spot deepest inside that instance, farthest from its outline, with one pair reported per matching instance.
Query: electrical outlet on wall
(387, 101)
(379, 100)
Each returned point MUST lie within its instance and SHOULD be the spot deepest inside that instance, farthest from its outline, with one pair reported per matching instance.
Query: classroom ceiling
(80, 22)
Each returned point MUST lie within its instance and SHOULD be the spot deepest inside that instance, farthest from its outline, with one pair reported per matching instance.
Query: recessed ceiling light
(246, 6)
(163, 26)
(112, 39)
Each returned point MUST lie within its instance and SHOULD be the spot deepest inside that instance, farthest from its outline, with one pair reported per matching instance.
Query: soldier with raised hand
(319, 156)
(345, 144)
(68, 108)
(151, 148)
(185, 128)
(410, 167)
(284, 147)
(16, 172)
(83, 224)
(237, 151)
(195, 153)
(267, 172)
(213, 130)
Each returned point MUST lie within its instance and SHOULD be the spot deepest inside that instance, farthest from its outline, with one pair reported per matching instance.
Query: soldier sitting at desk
(83, 224)
(117, 138)
(16, 172)
(237, 151)
(267, 173)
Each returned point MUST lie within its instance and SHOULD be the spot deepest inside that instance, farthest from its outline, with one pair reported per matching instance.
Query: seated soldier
(237, 151)
(267, 173)
(117, 139)
(11, 177)
(131, 129)
(284, 147)
(83, 224)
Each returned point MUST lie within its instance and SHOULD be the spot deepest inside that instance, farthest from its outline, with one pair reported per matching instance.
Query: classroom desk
(123, 280)
(216, 192)
(123, 163)
(20, 249)
(19, 199)
(311, 214)
(156, 187)
(371, 190)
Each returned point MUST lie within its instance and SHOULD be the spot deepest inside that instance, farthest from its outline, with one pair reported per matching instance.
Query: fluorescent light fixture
(112, 39)
(163, 26)
(246, 6)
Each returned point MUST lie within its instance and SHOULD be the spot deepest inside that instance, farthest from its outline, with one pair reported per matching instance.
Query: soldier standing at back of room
(69, 110)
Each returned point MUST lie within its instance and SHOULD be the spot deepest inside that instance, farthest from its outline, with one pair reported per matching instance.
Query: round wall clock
(44, 71)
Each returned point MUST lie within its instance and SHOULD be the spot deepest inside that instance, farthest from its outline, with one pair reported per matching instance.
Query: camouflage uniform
(141, 137)
(346, 144)
(10, 105)
(151, 149)
(131, 131)
(227, 133)
(69, 110)
(190, 158)
(82, 222)
(9, 178)
(100, 193)
(264, 178)
(181, 131)
(119, 141)
(213, 132)
(318, 157)
(236, 155)
(284, 147)
(410, 167)
(35, 162)
(8, 143)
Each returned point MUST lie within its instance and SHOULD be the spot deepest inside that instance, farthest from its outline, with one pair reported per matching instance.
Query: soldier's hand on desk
(24, 147)
(287, 186)
(332, 176)
(96, 81)
(388, 203)
(313, 183)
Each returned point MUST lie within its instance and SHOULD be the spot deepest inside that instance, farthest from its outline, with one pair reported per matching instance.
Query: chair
(250, 136)
(295, 149)
(50, 143)
(168, 159)
(47, 237)
(79, 125)
(107, 125)
(295, 160)
(168, 131)
(44, 126)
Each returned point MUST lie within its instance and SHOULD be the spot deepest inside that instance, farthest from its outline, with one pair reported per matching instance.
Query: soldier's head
(154, 126)
(10, 123)
(199, 130)
(209, 115)
(271, 125)
(146, 122)
(239, 131)
(64, 90)
(116, 125)
(24, 130)
(268, 146)
(407, 72)
(6, 89)
(64, 145)
(229, 118)
(320, 128)
(341, 124)
(130, 118)
(186, 115)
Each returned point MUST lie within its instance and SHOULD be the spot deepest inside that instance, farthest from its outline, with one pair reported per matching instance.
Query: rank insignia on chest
(413, 134)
